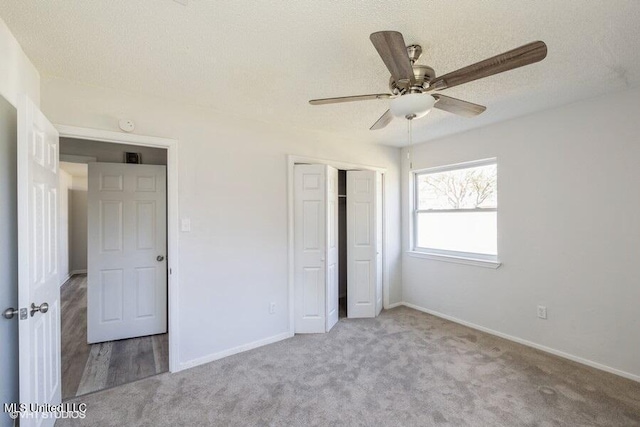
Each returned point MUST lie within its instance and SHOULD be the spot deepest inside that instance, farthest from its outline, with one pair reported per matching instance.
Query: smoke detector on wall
(127, 125)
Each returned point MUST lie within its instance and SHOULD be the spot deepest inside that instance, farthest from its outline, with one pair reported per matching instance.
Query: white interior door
(127, 241)
(364, 240)
(333, 273)
(38, 287)
(310, 248)
(379, 230)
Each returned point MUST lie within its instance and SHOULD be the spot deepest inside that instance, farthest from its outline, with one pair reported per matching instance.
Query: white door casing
(379, 230)
(333, 273)
(364, 240)
(127, 266)
(39, 335)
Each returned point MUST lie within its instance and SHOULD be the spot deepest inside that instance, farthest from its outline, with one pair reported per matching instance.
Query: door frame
(171, 145)
(291, 161)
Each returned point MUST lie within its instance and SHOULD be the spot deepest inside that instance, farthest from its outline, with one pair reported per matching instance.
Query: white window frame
(480, 260)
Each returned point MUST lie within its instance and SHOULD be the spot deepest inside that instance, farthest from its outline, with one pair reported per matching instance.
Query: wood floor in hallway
(91, 367)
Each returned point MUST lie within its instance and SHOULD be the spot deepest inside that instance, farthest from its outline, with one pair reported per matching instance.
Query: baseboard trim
(546, 349)
(234, 350)
(394, 305)
(67, 277)
(71, 274)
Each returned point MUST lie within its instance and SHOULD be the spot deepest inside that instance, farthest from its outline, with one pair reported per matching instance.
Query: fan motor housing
(423, 74)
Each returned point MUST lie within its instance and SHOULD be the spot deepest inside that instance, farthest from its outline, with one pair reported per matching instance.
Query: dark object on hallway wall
(132, 158)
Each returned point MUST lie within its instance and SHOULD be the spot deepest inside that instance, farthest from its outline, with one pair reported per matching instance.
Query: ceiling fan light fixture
(412, 105)
(409, 81)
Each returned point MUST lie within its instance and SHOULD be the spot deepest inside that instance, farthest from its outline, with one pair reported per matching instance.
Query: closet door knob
(159, 258)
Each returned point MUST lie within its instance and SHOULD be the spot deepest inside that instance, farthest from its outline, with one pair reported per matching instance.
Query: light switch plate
(185, 225)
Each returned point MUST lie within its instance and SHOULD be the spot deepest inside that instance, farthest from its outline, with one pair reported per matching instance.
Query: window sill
(455, 259)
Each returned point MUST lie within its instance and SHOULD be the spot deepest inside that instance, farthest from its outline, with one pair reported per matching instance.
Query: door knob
(9, 313)
(42, 308)
(159, 258)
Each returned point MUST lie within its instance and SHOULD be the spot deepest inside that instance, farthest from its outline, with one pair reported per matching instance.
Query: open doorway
(108, 201)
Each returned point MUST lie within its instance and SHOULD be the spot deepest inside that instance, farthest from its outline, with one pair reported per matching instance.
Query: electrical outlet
(272, 308)
(542, 312)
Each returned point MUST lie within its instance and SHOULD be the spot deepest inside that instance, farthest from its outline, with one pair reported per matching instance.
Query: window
(455, 211)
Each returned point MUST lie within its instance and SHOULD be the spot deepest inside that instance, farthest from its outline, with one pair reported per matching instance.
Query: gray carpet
(405, 368)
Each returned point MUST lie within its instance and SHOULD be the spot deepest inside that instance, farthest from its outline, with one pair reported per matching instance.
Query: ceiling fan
(413, 86)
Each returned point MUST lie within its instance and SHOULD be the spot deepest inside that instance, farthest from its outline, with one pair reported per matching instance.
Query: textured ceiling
(265, 59)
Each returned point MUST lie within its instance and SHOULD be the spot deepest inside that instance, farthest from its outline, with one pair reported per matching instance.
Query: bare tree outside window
(471, 188)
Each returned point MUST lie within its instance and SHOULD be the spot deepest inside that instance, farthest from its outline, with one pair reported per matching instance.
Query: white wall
(8, 255)
(17, 75)
(64, 186)
(568, 232)
(80, 183)
(78, 227)
(73, 224)
(233, 187)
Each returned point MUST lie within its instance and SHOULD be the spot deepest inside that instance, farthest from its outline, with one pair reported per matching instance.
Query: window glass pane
(474, 232)
(467, 188)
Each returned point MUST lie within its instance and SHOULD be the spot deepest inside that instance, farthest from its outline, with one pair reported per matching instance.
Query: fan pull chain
(410, 152)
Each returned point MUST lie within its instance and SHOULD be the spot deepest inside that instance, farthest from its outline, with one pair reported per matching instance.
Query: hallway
(91, 367)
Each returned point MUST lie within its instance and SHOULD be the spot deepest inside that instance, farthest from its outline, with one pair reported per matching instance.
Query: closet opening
(342, 242)
(337, 244)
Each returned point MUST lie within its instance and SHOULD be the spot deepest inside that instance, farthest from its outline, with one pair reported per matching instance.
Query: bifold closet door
(364, 243)
(333, 273)
(315, 248)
